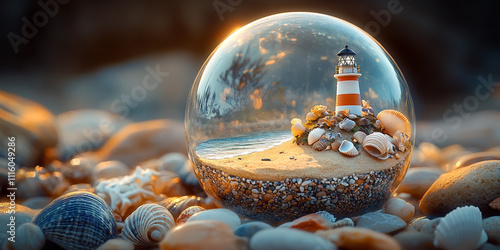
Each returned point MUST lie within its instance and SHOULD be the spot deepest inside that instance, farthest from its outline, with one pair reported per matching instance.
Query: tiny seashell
(319, 110)
(366, 109)
(377, 124)
(321, 144)
(359, 136)
(393, 120)
(352, 116)
(347, 148)
(296, 120)
(344, 113)
(330, 136)
(147, 225)
(400, 141)
(315, 135)
(178, 204)
(78, 220)
(347, 124)
(346, 222)
(187, 213)
(298, 129)
(495, 204)
(461, 228)
(377, 145)
(311, 116)
(364, 122)
(335, 146)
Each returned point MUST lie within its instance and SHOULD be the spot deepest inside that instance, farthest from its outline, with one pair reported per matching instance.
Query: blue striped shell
(78, 220)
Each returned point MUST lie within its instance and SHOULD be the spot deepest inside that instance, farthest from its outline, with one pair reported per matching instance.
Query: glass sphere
(249, 153)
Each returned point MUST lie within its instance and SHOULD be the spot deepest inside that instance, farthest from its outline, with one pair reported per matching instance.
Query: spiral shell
(315, 135)
(377, 145)
(321, 145)
(460, 229)
(347, 148)
(347, 124)
(393, 120)
(78, 220)
(147, 225)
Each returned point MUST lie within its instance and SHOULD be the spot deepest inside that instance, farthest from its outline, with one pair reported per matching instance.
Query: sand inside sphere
(289, 160)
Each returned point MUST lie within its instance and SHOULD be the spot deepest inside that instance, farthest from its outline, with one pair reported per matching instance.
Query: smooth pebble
(380, 222)
(491, 226)
(110, 169)
(28, 236)
(220, 214)
(418, 180)
(400, 208)
(116, 244)
(249, 229)
(359, 238)
(288, 239)
(412, 240)
(202, 234)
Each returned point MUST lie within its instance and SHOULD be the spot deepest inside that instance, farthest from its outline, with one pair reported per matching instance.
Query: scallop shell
(321, 144)
(461, 228)
(377, 145)
(78, 220)
(359, 136)
(315, 135)
(147, 225)
(393, 120)
(347, 124)
(298, 129)
(347, 148)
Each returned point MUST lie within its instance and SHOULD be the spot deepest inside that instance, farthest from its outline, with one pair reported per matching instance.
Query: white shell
(295, 120)
(311, 116)
(401, 141)
(298, 129)
(148, 225)
(377, 145)
(347, 148)
(347, 124)
(461, 228)
(359, 136)
(314, 135)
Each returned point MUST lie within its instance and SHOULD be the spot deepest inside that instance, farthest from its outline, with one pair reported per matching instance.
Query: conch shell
(347, 148)
(393, 120)
(377, 145)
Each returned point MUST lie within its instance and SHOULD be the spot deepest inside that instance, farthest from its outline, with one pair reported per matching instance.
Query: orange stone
(311, 223)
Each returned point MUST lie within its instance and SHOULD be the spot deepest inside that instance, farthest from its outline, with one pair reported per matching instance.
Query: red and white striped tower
(347, 73)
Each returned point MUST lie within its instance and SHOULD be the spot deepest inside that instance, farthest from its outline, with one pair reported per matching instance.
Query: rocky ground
(79, 185)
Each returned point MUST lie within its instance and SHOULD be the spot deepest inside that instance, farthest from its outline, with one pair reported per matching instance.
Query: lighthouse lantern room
(347, 74)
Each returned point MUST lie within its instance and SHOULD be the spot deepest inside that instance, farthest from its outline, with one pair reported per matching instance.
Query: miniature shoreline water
(241, 145)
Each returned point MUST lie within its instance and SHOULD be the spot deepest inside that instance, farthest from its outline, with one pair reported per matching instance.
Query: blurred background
(69, 55)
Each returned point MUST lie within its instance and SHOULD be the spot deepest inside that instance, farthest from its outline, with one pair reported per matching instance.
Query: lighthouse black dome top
(346, 51)
(346, 57)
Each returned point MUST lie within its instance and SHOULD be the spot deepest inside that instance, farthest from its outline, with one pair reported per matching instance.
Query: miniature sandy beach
(291, 161)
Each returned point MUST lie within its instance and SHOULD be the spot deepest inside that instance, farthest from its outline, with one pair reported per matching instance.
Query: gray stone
(489, 246)
(219, 214)
(413, 240)
(37, 202)
(491, 226)
(381, 222)
(138, 142)
(289, 239)
(250, 228)
(85, 130)
(418, 180)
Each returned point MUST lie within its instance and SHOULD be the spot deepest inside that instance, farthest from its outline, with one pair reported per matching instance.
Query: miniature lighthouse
(347, 73)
